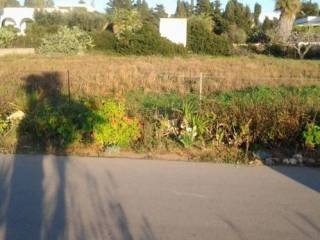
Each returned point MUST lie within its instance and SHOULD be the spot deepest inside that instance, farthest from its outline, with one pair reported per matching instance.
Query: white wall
(174, 29)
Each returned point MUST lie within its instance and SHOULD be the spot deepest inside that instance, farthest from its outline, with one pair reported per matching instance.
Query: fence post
(69, 90)
(201, 86)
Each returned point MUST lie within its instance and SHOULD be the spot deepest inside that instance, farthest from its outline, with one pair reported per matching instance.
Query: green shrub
(258, 36)
(3, 125)
(312, 135)
(66, 41)
(116, 128)
(237, 35)
(202, 40)
(273, 116)
(147, 41)
(105, 41)
(56, 124)
(276, 50)
(87, 21)
(7, 37)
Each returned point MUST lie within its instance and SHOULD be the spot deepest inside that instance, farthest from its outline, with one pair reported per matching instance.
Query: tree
(113, 4)
(34, 3)
(181, 11)
(216, 7)
(303, 41)
(9, 3)
(308, 8)
(159, 11)
(238, 14)
(203, 7)
(143, 9)
(257, 13)
(288, 11)
(125, 22)
(220, 24)
(49, 3)
(269, 24)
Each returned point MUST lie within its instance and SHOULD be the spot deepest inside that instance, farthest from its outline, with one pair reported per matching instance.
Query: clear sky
(267, 5)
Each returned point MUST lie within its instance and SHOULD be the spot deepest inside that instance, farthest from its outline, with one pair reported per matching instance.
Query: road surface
(47, 197)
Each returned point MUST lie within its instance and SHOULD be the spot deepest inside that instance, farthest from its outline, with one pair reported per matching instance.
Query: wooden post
(200, 86)
(69, 90)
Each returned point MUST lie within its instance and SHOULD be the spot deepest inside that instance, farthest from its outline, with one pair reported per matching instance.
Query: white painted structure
(174, 29)
(20, 16)
(308, 21)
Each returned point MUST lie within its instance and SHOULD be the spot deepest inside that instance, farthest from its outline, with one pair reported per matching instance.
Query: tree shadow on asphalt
(309, 177)
(37, 197)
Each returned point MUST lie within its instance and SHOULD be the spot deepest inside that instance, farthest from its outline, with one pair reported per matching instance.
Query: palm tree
(288, 10)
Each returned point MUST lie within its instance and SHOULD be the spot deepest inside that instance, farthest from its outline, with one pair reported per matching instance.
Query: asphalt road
(92, 199)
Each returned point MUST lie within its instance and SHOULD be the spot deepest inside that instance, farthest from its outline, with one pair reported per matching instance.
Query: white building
(308, 21)
(174, 29)
(20, 16)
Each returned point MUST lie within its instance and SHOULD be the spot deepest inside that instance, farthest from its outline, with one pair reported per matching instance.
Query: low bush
(104, 41)
(7, 37)
(269, 117)
(312, 136)
(57, 125)
(237, 35)
(147, 41)
(66, 41)
(3, 125)
(116, 127)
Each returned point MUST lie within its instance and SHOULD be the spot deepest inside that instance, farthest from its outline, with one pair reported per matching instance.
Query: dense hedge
(203, 41)
(147, 41)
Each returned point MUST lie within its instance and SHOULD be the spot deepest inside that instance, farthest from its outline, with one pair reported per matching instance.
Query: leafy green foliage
(312, 135)
(116, 128)
(238, 14)
(3, 125)
(147, 41)
(66, 41)
(125, 22)
(57, 125)
(7, 36)
(237, 35)
(105, 41)
(202, 40)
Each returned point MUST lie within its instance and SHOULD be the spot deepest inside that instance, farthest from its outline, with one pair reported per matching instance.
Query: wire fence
(74, 83)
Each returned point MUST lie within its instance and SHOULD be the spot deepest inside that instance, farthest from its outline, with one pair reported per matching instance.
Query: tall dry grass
(101, 75)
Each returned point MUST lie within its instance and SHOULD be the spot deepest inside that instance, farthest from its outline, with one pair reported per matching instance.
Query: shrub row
(247, 119)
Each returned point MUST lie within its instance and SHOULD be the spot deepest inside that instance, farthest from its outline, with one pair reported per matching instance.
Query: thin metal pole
(201, 86)
(69, 90)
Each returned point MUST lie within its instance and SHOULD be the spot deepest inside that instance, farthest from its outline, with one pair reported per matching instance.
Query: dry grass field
(101, 75)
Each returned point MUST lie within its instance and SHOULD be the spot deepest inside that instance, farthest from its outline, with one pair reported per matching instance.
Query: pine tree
(49, 3)
(159, 11)
(191, 8)
(238, 14)
(203, 7)
(257, 13)
(216, 7)
(125, 4)
(181, 10)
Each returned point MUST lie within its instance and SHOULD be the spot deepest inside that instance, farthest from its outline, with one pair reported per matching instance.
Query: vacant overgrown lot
(151, 104)
(102, 75)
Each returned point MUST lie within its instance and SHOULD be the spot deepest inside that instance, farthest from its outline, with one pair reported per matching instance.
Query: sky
(170, 5)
